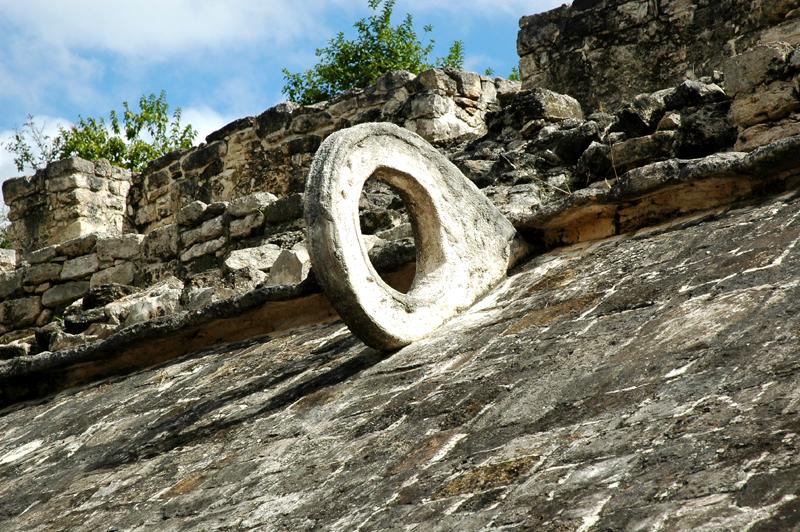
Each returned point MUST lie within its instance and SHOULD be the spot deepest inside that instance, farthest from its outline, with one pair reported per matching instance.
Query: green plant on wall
(130, 140)
(5, 243)
(378, 48)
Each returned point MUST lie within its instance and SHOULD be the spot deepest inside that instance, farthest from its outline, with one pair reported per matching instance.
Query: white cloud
(154, 29)
(205, 120)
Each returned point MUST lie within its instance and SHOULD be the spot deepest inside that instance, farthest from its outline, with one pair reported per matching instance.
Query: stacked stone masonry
(68, 199)
(534, 153)
(272, 152)
(604, 52)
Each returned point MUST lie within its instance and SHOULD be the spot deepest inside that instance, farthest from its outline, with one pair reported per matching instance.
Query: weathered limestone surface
(634, 383)
(69, 199)
(604, 52)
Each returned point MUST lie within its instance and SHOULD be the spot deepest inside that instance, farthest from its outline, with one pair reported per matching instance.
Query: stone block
(80, 267)
(161, 243)
(40, 255)
(126, 246)
(249, 204)
(430, 105)
(19, 187)
(77, 320)
(10, 283)
(437, 80)
(102, 168)
(291, 267)
(260, 258)
(595, 163)
(705, 130)
(692, 93)
(64, 294)
(71, 165)
(63, 340)
(772, 102)
(763, 134)
(14, 350)
(201, 249)
(83, 245)
(8, 259)
(124, 273)
(191, 213)
(639, 151)
(18, 313)
(554, 107)
(275, 118)
(442, 129)
(404, 230)
(759, 65)
(285, 209)
(203, 155)
(539, 105)
(245, 226)
(669, 122)
(67, 182)
(208, 230)
(101, 331)
(42, 273)
(640, 117)
(393, 81)
(394, 105)
(84, 227)
(787, 32)
(468, 84)
(308, 119)
(228, 130)
(160, 299)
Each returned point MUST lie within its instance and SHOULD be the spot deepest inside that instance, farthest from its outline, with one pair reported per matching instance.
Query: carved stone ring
(464, 244)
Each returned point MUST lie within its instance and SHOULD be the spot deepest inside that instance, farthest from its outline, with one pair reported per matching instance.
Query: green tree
(5, 243)
(139, 137)
(514, 76)
(378, 48)
(454, 58)
(32, 147)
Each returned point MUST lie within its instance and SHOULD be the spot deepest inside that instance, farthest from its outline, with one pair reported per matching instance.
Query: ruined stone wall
(68, 199)
(46, 281)
(604, 52)
(87, 288)
(272, 152)
(559, 175)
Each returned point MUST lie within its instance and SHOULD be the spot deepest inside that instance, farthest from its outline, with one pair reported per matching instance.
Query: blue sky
(217, 60)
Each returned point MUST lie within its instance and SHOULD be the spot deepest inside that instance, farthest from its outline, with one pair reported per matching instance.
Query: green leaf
(378, 48)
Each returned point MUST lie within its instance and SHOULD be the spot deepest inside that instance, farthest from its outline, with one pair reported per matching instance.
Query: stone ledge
(660, 191)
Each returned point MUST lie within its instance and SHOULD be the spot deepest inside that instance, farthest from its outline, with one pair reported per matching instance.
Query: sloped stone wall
(68, 199)
(604, 52)
(272, 152)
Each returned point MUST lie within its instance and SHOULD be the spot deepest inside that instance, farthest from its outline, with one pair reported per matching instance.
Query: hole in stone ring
(394, 215)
